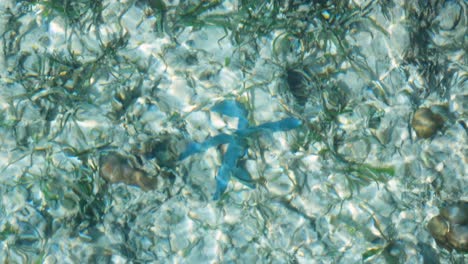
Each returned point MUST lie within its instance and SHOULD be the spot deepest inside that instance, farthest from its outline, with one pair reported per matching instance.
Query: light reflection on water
(354, 183)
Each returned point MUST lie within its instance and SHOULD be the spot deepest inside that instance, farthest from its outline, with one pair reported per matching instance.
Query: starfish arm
(230, 108)
(234, 152)
(195, 147)
(192, 148)
(233, 108)
(216, 140)
(243, 123)
(222, 180)
(244, 177)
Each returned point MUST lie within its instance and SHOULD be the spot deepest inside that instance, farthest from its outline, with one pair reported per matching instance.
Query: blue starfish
(237, 143)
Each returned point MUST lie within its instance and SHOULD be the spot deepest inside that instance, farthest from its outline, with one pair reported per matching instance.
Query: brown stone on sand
(115, 168)
(426, 123)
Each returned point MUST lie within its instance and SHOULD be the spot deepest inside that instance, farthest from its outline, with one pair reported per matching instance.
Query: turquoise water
(122, 120)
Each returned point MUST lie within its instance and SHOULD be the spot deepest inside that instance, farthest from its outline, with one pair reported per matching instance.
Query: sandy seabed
(99, 98)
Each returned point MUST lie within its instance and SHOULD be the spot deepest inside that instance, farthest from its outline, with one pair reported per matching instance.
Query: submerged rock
(426, 123)
(115, 168)
(450, 227)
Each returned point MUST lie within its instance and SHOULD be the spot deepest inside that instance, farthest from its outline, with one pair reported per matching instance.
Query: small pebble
(426, 123)
(450, 228)
(115, 168)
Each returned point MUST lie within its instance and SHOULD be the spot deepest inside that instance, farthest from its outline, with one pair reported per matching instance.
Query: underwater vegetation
(237, 143)
(90, 91)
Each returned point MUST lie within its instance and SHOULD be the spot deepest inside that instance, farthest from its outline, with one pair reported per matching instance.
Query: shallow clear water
(99, 100)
